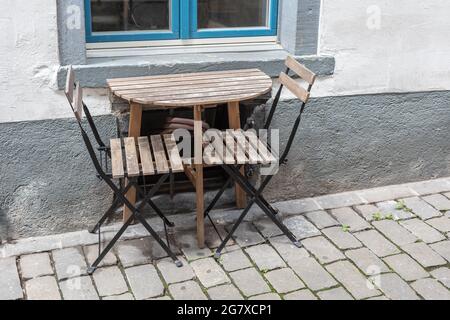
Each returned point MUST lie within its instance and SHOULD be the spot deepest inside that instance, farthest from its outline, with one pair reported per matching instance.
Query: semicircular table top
(192, 89)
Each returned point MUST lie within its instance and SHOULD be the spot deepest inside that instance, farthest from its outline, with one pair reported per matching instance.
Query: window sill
(97, 70)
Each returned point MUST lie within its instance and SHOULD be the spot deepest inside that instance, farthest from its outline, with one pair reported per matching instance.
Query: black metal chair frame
(256, 194)
(120, 197)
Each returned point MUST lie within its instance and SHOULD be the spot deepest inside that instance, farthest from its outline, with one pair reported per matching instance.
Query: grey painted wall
(71, 32)
(48, 183)
(355, 142)
(299, 26)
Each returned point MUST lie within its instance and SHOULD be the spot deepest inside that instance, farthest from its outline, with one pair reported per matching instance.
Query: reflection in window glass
(130, 15)
(232, 13)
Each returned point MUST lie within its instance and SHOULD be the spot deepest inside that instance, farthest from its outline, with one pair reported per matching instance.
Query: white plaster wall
(408, 51)
(29, 61)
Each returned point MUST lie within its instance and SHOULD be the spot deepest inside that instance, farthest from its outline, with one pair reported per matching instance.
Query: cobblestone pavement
(384, 243)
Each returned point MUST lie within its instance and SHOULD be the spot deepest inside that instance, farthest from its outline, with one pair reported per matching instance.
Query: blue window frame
(183, 25)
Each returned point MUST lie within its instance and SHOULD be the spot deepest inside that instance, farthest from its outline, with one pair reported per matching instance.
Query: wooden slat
(300, 70)
(146, 156)
(243, 143)
(294, 87)
(180, 82)
(217, 140)
(78, 102)
(160, 154)
(261, 147)
(131, 157)
(210, 156)
(184, 76)
(174, 155)
(184, 88)
(116, 159)
(211, 100)
(237, 151)
(202, 93)
(70, 83)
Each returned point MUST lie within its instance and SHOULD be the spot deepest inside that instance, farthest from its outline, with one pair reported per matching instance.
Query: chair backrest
(74, 94)
(70, 84)
(300, 92)
(292, 85)
(77, 103)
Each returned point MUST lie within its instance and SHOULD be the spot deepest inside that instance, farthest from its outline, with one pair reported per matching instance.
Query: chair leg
(108, 248)
(264, 205)
(230, 234)
(109, 212)
(135, 215)
(217, 196)
(141, 219)
(153, 206)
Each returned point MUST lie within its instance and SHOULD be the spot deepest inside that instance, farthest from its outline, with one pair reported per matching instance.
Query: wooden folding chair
(238, 148)
(156, 155)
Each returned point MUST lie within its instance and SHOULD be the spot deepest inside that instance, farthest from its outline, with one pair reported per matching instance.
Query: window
(135, 20)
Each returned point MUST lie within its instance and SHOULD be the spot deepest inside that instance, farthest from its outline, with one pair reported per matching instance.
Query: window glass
(232, 13)
(130, 15)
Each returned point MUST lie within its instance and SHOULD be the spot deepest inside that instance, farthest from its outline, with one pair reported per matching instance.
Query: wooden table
(197, 91)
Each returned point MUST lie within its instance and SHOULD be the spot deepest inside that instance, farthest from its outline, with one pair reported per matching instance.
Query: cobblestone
(144, 282)
(348, 217)
(225, 292)
(421, 208)
(343, 240)
(406, 267)
(335, 294)
(430, 289)
(284, 280)
(109, 281)
(69, 263)
(395, 232)
(35, 265)
(367, 261)
(377, 243)
(265, 257)
(438, 201)
(400, 254)
(300, 295)
(323, 249)
(394, 287)
(352, 279)
(209, 272)
(250, 282)
(313, 274)
(422, 230)
(235, 260)
(423, 254)
(80, 288)
(321, 219)
(43, 288)
(189, 290)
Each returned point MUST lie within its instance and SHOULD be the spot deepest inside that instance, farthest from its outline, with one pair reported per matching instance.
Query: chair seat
(145, 156)
(236, 147)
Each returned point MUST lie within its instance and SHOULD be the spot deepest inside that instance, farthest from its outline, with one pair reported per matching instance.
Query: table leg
(234, 119)
(134, 130)
(198, 165)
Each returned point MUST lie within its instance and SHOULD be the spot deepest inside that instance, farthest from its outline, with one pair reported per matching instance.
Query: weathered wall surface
(47, 183)
(29, 64)
(364, 141)
(385, 46)
(382, 118)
